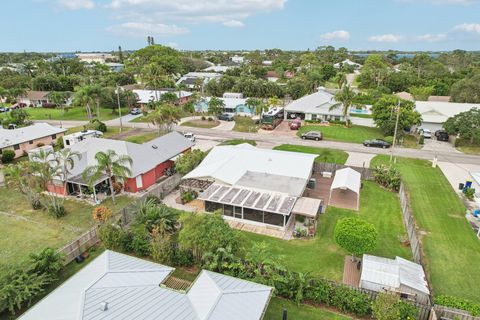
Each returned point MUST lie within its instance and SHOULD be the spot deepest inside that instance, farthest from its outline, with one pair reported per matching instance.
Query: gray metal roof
(316, 103)
(131, 288)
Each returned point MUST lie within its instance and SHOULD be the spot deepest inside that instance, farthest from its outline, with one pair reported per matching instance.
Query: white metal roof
(131, 288)
(146, 96)
(228, 164)
(439, 111)
(319, 102)
(229, 102)
(24, 134)
(144, 156)
(393, 273)
(307, 207)
(347, 178)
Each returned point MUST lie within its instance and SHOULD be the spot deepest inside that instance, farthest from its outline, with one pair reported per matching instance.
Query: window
(273, 218)
(253, 215)
(238, 212)
(30, 142)
(213, 206)
(16, 147)
(228, 210)
(54, 136)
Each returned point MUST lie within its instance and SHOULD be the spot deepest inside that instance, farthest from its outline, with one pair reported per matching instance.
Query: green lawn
(452, 251)
(470, 149)
(301, 312)
(206, 124)
(355, 134)
(234, 142)
(410, 141)
(322, 256)
(25, 230)
(142, 138)
(245, 124)
(76, 113)
(324, 154)
(361, 115)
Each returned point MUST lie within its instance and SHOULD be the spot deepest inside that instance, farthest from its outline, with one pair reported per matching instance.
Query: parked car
(312, 135)
(3, 109)
(441, 135)
(426, 133)
(295, 124)
(226, 117)
(135, 111)
(379, 143)
(190, 136)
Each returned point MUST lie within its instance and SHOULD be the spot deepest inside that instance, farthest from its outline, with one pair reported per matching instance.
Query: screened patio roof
(307, 207)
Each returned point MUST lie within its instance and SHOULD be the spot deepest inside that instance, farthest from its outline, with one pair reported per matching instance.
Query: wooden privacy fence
(367, 173)
(410, 225)
(444, 313)
(124, 216)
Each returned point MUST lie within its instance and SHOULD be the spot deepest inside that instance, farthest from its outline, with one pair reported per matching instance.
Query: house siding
(26, 146)
(148, 178)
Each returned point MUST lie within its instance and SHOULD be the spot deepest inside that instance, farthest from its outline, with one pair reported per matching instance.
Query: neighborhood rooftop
(118, 286)
(319, 102)
(28, 133)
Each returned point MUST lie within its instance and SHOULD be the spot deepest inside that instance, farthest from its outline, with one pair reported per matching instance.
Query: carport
(345, 189)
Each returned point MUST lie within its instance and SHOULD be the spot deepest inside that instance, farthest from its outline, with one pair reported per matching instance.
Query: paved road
(271, 140)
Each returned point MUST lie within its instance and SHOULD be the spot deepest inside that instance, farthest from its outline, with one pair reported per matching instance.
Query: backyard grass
(25, 231)
(245, 124)
(142, 137)
(234, 142)
(303, 312)
(452, 251)
(469, 149)
(76, 113)
(206, 124)
(355, 134)
(321, 256)
(324, 154)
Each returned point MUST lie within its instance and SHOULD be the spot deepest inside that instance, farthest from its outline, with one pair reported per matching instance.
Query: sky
(103, 25)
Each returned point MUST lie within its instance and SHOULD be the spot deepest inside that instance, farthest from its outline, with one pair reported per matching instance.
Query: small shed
(345, 189)
(398, 275)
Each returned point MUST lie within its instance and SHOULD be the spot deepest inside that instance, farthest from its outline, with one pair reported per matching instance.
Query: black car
(226, 117)
(312, 135)
(379, 143)
(441, 135)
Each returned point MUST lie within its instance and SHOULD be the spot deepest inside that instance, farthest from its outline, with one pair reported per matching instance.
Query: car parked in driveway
(135, 111)
(312, 135)
(441, 135)
(379, 143)
(426, 133)
(226, 117)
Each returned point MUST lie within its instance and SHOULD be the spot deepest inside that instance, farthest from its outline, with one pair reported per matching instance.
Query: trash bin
(461, 186)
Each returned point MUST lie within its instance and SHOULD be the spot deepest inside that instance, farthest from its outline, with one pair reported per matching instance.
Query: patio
(351, 272)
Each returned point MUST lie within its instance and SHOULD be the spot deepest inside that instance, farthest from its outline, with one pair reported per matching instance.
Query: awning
(347, 178)
(307, 207)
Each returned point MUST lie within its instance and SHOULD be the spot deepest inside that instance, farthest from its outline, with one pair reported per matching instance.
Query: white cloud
(233, 24)
(432, 37)
(443, 2)
(76, 4)
(142, 29)
(468, 27)
(336, 35)
(385, 38)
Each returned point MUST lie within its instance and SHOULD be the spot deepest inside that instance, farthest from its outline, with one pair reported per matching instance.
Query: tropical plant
(66, 159)
(20, 176)
(88, 95)
(58, 98)
(101, 213)
(355, 235)
(215, 106)
(48, 262)
(388, 177)
(386, 307)
(219, 259)
(8, 155)
(161, 218)
(345, 99)
(253, 103)
(109, 163)
(165, 116)
(189, 161)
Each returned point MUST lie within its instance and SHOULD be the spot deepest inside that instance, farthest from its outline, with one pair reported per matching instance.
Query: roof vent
(104, 306)
(154, 146)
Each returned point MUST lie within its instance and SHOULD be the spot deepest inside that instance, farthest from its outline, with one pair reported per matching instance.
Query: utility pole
(119, 108)
(397, 109)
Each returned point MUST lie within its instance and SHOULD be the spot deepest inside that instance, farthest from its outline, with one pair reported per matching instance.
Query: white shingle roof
(24, 134)
(131, 287)
(229, 164)
(319, 102)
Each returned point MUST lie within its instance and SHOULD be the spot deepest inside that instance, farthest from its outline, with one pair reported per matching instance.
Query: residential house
(114, 66)
(24, 139)
(217, 68)
(272, 76)
(348, 63)
(257, 186)
(98, 57)
(435, 113)
(237, 59)
(398, 275)
(118, 286)
(144, 97)
(34, 98)
(192, 79)
(149, 163)
(232, 105)
(318, 106)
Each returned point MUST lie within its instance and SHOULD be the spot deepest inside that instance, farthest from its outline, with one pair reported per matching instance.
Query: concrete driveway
(459, 173)
(359, 159)
(225, 126)
(438, 146)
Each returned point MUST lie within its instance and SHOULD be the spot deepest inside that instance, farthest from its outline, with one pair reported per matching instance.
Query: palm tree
(253, 103)
(341, 79)
(215, 106)
(345, 100)
(66, 159)
(154, 216)
(164, 116)
(58, 98)
(20, 176)
(87, 95)
(273, 101)
(154, 76)
(111, 164)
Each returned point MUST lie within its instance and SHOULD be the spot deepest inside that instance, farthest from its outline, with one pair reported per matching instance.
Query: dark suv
(226, 117)
(441, 135)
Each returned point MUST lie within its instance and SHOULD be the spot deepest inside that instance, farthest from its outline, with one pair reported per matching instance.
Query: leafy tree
(465, 124)
(164, 117)
(346, 97)
(189, 161)
(8, 155)
(355, 235)
(421, 93)
(48, 261)
(215, 106)
(386, 307)
(466, 90)
(58, 98)
(297, 87)
(384, 112)
(169, 98)
(374, 72)
(116, 167)
(17, 116)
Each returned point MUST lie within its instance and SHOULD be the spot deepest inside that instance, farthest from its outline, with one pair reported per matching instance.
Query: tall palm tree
(88, 95)
(345, 100)
(58, 98)
(66, 159)
(253, 103)
(215, 106)
(153, 75)
(111, 164)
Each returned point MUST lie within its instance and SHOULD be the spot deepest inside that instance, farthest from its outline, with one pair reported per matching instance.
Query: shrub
(101, 213)
(408, 311)
(386, 307)
(40, 144)
(59, 143)
(117, 187)
(189, 161)
(350, 300)
(421, 140)
(140, 243)
(469, 193)
(458, 303)
(188, 196)
(388, 177)
(96, 124)
(161, 248)
(48, 262)
(57, 210)
(355, 235)
(114, 237)
(153, 199)
(8, 156)
(183, 258)
(204, 118)
(210, 119)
